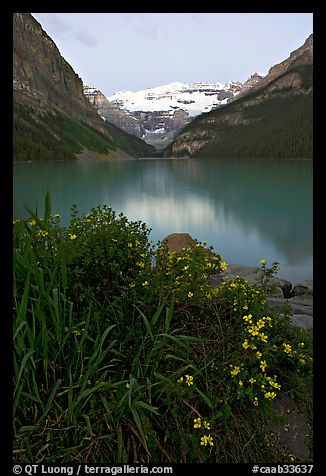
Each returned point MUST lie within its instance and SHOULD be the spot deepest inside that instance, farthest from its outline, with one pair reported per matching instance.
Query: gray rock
(297, 305)
(254, 274)
(298, 301)
(292, 431)
(278, 293)
(303, 288)
(277, 304)
(304, 321)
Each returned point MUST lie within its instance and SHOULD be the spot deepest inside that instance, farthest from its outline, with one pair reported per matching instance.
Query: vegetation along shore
(128, 351)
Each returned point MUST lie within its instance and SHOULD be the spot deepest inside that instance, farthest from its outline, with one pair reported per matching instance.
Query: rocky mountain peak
(157, 114)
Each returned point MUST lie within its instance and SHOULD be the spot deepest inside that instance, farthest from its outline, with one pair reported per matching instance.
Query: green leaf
(47, 206)
(139, 426)
(22, 367)
(157, 313)
(205, 398)
(50, 400)
(145, 406)
(147, 324)
(168, 316)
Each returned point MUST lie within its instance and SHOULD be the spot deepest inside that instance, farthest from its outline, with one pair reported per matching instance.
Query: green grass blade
(50, 400)
(139, 426)
(47, 206)
(22, 368)
(168, 316)
(145, 406)
(147, 324)
(204, 397)
(23, 305)
(21, 325)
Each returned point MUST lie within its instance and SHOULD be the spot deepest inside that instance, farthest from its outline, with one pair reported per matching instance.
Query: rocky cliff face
(53, 120)
(262, 105)
(40, 72)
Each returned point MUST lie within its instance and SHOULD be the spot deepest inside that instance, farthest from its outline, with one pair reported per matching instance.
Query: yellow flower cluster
(187, 379)
(270, 395)
(273, 383)
(287, 348)
(235, 370)
(42, 234)
(206, 440)
(198, 423)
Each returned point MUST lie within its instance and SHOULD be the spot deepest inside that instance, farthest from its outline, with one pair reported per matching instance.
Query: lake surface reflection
(246, 209)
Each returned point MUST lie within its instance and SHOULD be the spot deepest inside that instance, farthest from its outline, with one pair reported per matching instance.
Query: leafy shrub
(124, 353)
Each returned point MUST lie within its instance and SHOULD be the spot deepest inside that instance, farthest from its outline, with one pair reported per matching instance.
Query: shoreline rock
(299, 296)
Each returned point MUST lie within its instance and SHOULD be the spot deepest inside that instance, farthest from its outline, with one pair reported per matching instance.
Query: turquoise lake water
(246, 209)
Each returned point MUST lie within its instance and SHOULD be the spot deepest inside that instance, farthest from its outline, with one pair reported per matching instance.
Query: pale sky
(133, 51)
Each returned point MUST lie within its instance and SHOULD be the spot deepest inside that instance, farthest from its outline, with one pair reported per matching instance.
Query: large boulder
(304, 288)
(176, 241)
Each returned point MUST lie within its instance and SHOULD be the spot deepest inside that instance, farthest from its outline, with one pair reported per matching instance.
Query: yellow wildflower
(189, 380)
(190, 294)
(146, 283)
(263, 365)
(235, 371)
(263, 337)
(287, 348)
(258, 354)
(197, 423)
(262, 262)
(72, 236)
(245, 344)
(42, 234)
(240, 383)
(180, 380)
(247, 318)
(206, 425)
(129, 245)
(254, 331)
(252, 380)
(140, 264)
(255, 401)
(206, 440)
(270, 395)
(223, 266)
(132, 285)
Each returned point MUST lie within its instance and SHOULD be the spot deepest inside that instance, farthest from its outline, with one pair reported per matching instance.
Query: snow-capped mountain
(194, 98)
(157, 114)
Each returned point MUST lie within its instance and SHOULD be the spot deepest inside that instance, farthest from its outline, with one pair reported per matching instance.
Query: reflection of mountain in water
(238, 205)
(272, 197)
